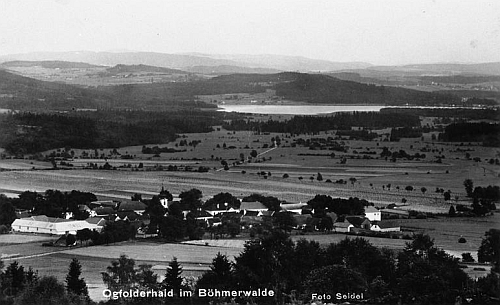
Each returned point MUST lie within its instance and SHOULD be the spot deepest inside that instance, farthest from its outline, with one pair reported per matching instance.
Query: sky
(383, 32)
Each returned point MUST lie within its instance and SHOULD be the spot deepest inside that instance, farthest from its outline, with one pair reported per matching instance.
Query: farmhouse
(373, 214)
(50, 225)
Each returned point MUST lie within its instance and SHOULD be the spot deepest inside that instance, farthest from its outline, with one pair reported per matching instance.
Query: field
(300, 164)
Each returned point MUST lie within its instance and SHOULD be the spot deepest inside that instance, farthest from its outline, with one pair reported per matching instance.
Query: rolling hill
(49, 64)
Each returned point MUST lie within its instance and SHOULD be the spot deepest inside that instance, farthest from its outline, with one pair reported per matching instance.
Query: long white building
(49, 225)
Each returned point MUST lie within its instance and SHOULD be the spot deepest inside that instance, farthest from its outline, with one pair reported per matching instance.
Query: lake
(297, 109)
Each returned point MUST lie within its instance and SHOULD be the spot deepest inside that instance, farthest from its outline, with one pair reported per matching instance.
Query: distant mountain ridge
(50, 64)
(492, 68)
(184, 61)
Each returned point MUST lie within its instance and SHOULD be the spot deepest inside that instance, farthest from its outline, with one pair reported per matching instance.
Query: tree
(284, 221)
(423, 189)
(75, 284)
(172, 228)
(226, 200)
(469, 186)
(253, 153)
(334, 278)
(13, 279)
(121, 274)
(319, 177)
(489, 250)
(173, 278)
(447, 195)
(156, 212)
(191, 199)
(7, 211)
(409, 188)
(220, 275)
(70, 240)
(146, 277)
(452, 211)
(266, 262)
(47, 291)
(467, 258)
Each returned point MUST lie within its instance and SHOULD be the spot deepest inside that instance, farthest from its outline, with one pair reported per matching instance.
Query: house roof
(342, 224)
(131, 206)
(51, 223)
(104, 203)
(385, 224)
(332, 215)
(254, 205)
(99, 221)
(357, 221)
(292, 206)
(370, 209)
(104, 210)
(131, 215)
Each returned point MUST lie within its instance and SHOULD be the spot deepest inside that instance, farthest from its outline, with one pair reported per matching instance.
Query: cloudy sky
(375, 31)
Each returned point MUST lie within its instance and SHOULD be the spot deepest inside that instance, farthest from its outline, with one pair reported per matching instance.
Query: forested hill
(329, 90)
(18, 92)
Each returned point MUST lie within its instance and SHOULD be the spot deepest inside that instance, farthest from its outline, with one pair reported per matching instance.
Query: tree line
(418, 274)
(315, 124)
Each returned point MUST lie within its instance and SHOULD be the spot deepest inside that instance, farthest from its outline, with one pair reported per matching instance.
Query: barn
(42, 224)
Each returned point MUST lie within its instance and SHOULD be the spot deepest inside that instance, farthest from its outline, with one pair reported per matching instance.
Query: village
(248, 214)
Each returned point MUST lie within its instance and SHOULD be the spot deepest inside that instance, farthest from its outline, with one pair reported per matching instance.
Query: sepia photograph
(224, 152)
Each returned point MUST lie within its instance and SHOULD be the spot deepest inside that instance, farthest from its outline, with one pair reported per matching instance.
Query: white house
(49, 225)
(373, 214)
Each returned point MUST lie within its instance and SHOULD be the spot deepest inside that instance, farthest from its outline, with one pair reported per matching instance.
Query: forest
(487, 133)
(339, 121)
(28, 133)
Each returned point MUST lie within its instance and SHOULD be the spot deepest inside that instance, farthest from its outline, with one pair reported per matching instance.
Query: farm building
(253, 206)
(373, 214)
(293, 207)
(50, 225)
(385, 226)
(342, 227)
(359, 222)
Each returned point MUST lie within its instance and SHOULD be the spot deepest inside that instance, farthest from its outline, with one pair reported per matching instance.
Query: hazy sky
(375, 31)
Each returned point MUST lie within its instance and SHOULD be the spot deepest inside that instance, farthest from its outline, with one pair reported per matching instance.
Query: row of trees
(419, 274)
(26, 287)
